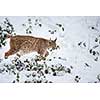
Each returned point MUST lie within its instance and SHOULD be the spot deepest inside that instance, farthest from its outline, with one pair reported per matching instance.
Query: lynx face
(52, 44)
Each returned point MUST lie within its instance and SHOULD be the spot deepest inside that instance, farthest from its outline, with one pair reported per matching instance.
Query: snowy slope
(75, 37)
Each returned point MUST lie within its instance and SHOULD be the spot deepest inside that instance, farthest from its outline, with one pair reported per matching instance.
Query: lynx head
(52, 44)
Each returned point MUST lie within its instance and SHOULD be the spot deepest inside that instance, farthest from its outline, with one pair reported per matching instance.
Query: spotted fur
(27, 44)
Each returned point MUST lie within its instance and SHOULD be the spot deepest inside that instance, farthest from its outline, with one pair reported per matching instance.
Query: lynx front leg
(46, 53)
(43, 54)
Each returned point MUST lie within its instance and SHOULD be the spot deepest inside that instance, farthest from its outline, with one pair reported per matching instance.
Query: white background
(57, 91)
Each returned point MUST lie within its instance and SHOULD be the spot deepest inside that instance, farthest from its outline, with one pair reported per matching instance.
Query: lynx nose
(56, 47)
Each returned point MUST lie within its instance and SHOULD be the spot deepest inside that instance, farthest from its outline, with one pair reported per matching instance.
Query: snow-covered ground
(77, 37)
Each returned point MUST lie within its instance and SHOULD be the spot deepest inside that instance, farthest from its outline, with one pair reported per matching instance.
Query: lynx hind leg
(10, 52)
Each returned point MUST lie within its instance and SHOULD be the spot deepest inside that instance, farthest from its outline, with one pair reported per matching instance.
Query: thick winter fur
(27, 44)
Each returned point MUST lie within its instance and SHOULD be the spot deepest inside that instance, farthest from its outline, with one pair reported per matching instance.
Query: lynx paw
(39, 58)
(6, 55)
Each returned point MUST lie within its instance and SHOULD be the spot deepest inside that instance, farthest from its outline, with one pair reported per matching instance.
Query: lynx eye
(50, 43)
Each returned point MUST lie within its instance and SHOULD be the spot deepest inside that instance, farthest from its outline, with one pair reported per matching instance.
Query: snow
(76, 30)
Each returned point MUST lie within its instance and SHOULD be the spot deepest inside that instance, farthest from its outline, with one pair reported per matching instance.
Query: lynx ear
(55, 40)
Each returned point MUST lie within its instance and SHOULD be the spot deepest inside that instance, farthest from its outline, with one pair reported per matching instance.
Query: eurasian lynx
(27, 44)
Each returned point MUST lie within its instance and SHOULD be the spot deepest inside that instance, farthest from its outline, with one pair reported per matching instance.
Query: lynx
(21, 45)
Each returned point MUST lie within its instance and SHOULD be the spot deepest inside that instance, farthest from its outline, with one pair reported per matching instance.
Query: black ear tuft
(55, 40)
